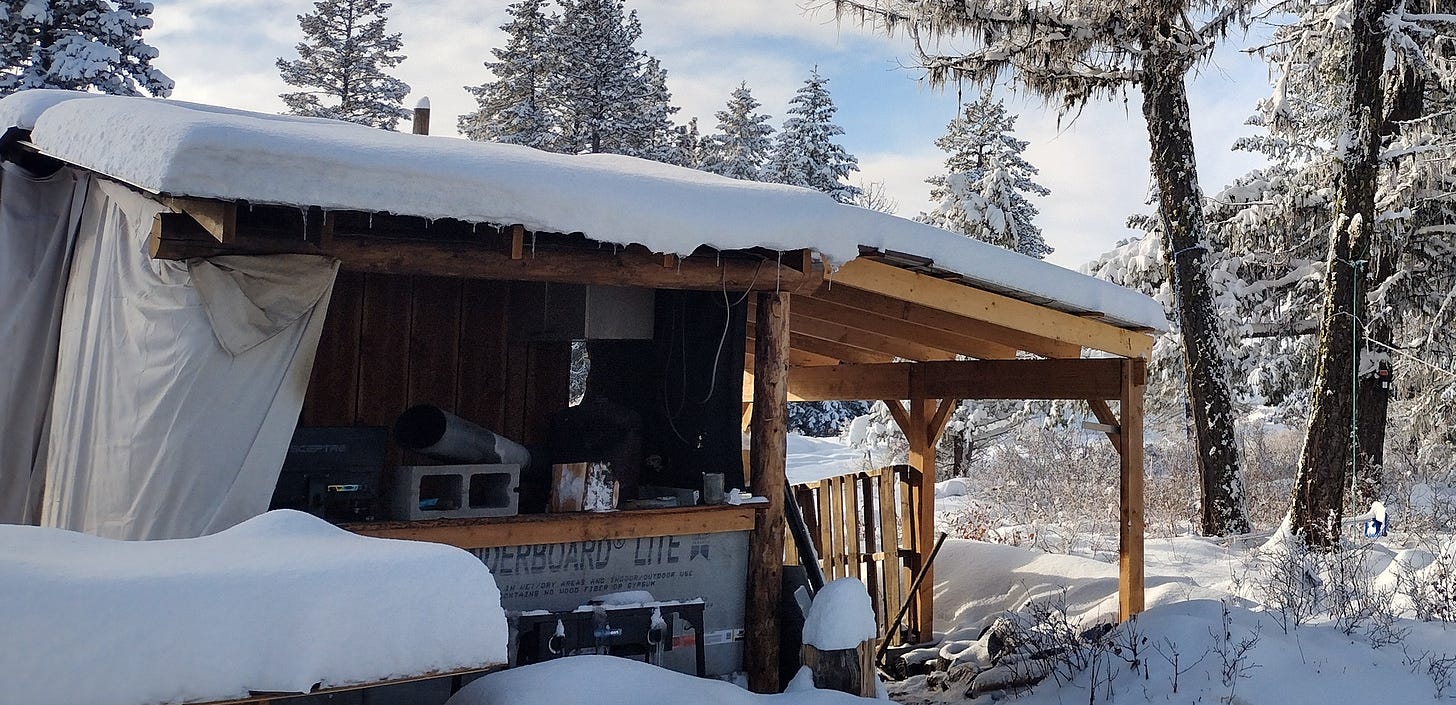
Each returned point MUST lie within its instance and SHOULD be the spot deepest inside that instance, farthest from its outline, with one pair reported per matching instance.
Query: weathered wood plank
(434, 342)
(333, 386)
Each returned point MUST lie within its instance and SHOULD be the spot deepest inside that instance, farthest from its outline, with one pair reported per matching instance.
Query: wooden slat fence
(863, 526)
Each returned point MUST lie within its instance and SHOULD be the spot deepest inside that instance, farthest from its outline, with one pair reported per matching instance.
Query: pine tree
(983, 193)
(598, 78)
(514, 107)
(78, 45)
(691, 146)
(805, 153)
(650, 133)
(1073, 52)
(342, 60)
(742, 144)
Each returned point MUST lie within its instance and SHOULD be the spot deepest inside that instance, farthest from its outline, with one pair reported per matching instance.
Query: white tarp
(158, 430)
(37, 223)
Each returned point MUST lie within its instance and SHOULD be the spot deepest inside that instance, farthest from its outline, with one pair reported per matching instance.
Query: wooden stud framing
(974, 303)
(934, 338)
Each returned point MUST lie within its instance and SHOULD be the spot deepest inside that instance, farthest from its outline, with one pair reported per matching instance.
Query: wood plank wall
(390, 342)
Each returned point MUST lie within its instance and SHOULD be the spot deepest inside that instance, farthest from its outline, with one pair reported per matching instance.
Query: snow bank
(609, 680)
(841, 616)
(281, 602)
(196, 150)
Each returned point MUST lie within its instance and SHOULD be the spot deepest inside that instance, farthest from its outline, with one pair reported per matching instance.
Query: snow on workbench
(281, 602)
(188, 149)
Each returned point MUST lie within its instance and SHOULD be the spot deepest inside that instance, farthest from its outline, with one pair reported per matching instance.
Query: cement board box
(564, 576)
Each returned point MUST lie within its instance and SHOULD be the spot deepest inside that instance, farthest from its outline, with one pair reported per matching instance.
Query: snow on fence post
(839, 639)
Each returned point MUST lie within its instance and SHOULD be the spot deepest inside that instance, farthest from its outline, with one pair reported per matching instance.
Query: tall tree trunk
(1406, 103)
(1316, 508)
(1180, 205)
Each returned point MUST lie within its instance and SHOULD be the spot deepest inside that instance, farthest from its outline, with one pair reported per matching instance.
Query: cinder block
(456, 491)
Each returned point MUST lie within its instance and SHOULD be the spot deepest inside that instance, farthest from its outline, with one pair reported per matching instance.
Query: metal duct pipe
(444, 436)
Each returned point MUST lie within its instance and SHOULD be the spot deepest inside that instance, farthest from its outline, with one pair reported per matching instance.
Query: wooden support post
(922, 455)
(767, 449)
(1130, 541)
(847, 670)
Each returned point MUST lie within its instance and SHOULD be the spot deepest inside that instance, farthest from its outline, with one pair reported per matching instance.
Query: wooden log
(767, 454)
(846, 670)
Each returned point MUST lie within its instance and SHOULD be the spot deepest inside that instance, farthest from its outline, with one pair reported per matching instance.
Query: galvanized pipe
(444, 436)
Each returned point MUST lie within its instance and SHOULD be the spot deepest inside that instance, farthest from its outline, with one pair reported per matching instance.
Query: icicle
(371, 221)
(779, 271)
(533, 244)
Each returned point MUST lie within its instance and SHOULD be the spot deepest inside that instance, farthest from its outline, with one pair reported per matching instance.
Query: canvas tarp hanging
(37, 223)
(178, 384)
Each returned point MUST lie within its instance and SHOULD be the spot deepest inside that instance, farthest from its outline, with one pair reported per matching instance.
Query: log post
(766, 456)
(1130, 538)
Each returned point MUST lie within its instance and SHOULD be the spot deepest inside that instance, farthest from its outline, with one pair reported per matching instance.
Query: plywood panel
(481, 385)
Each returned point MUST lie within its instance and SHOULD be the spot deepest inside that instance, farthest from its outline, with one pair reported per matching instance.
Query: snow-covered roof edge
(204, 151)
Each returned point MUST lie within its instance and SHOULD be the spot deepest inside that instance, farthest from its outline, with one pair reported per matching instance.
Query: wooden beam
(179, 238)
(806, 307)
(1104, 414)
(835, 291)
(1093, 378)
(970, 302)
(940, 419)
(535, 529)
(1131, 527)
(767, 454)
(218, 218)
(900, 415)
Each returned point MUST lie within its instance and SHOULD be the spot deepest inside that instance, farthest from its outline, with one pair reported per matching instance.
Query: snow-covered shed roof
(187, 149)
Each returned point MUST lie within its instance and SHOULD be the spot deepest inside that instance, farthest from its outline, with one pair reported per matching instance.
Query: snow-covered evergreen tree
(341, 65)
(805, 153)
(824, 418)
(650, 133)
(742, 144)
(514, 108)
(983, 193)
(609, 96)
(78, 45)
(691, 146)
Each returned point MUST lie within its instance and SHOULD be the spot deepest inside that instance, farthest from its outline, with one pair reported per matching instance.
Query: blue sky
(223, 52)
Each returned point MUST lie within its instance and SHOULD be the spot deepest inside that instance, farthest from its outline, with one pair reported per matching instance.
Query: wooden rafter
(933, 324)
(868, 340)
(829, 349)
(962, 300)
(218, 218)
(819, 309)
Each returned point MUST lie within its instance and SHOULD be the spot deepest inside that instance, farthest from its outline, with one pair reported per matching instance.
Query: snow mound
(609, 680)
(187, 149)
(282, 602)
(841, 616)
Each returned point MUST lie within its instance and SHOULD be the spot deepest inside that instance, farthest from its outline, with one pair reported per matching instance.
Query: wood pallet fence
(863, 526)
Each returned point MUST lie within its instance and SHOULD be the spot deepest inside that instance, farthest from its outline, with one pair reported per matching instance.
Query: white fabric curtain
(37, 229)
(178, 384)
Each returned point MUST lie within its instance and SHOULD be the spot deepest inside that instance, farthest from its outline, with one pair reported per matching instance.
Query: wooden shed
(443, 245)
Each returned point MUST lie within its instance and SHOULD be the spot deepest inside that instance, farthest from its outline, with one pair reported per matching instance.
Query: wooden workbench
(531, 529)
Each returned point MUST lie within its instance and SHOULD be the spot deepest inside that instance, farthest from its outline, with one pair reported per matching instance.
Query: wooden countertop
(531, 529)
